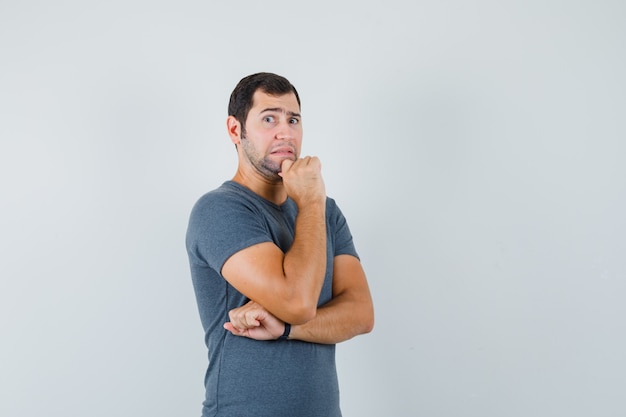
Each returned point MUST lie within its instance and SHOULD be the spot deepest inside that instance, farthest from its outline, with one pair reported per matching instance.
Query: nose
(285, 130)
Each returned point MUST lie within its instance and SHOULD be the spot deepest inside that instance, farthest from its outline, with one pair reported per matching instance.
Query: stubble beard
(262, 164)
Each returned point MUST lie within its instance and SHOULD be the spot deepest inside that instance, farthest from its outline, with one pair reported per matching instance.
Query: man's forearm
(342, 318)
(304, 263)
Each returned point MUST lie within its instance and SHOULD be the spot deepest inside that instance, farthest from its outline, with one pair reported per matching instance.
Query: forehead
(285, 102)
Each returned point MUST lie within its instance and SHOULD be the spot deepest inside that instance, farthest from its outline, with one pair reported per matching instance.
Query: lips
(283, 150)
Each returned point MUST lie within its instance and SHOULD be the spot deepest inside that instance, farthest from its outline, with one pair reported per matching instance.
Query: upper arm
(257, 272)
(231, 235)
(349, 281)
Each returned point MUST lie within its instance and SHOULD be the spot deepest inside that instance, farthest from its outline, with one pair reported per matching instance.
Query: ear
(234, 129)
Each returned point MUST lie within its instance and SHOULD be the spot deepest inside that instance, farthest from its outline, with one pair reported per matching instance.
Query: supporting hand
(255, 322)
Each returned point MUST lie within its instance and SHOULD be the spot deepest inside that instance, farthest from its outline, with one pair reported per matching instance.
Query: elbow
(300, 313)
(301, 318)
(300, 306)
(367, 325)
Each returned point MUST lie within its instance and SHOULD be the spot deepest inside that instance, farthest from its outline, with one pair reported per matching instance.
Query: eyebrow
(280, 110)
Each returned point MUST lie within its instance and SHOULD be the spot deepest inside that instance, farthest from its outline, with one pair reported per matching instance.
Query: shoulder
(225, 192)
(223, 221)
(331, 204)
(333, 212)
(224, 199)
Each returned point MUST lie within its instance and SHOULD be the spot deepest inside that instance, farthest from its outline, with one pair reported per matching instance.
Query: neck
(273, 191)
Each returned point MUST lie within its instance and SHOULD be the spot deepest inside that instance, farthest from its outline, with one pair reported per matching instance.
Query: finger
(229, 326)
(252, 322)
(314, 161)
(285, 166)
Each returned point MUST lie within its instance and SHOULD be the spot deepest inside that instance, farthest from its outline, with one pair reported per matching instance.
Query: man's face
(273, 132)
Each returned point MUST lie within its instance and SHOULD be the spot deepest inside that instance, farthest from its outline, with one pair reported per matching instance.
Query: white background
(476, 148)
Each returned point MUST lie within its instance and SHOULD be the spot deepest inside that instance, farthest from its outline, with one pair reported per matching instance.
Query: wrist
(286, 333)
(311, 206)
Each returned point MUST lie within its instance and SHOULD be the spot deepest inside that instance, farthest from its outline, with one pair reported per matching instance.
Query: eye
(268, 119)
(294, 121)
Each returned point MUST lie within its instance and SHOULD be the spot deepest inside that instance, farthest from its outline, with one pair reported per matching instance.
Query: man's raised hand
(303, 180)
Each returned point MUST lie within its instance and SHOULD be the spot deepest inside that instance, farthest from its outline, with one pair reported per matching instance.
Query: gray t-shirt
(248, 377)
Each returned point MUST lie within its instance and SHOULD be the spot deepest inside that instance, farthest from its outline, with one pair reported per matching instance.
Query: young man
(275, 272)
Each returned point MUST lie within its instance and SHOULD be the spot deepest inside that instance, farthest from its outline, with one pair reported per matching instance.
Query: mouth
(285, 151)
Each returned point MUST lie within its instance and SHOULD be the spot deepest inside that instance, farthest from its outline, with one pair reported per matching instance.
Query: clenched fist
(252, 320)
(303, 180)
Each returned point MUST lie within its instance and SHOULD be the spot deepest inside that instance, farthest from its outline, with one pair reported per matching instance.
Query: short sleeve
(342, 238)
(221, 225)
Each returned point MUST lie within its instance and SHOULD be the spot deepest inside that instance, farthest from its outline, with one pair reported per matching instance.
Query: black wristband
(285, 335)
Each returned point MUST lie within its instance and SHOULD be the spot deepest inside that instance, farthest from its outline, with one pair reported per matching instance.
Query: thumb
(286, 164)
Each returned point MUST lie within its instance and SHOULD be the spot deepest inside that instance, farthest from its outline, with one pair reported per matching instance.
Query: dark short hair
(241, 98)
